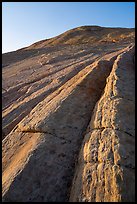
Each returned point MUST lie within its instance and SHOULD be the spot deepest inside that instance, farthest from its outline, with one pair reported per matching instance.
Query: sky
(24, 23)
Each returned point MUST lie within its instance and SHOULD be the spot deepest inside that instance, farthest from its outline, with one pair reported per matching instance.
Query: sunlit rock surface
(68, 118)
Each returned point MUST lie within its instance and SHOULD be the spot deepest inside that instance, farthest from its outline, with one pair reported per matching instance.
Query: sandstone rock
(106, 160)
(68, 94)
(67, 117)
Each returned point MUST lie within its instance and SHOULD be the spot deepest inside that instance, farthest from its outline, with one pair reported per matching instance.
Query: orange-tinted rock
(105, 170)
(61, 99)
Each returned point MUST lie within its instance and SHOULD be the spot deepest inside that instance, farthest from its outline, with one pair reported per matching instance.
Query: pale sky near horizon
(24, 23)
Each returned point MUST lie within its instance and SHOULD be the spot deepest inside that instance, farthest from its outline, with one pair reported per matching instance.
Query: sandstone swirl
(68, 118)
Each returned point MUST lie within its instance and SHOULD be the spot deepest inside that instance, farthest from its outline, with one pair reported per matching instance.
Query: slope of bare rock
(29, 94)
(33, 82)
(106, 164)
(81, 36)
(59, 125)
(68, 118)
(32, 96)
(88, 34)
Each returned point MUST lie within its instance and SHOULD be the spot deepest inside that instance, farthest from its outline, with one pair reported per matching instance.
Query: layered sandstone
(65, 97)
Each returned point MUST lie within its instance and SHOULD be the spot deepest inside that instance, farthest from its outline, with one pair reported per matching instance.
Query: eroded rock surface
(75, 95)
(105, 170)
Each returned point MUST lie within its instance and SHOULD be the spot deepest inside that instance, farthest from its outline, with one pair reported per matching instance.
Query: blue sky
(24, 23)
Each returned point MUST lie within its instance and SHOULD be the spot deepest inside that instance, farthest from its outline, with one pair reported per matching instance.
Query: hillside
(68, 125)
(87, 35)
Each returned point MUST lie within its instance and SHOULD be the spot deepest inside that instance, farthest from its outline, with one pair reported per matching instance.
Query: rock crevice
(108, 149)
(70, 113)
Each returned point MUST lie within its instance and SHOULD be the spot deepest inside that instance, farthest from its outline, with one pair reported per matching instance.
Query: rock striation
(69, 131)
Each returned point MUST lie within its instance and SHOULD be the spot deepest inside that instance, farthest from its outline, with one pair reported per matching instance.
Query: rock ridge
(102, 151)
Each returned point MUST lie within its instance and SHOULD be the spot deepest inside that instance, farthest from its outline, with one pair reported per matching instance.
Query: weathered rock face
(65, 101)
(105, 170)
(60, 126)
